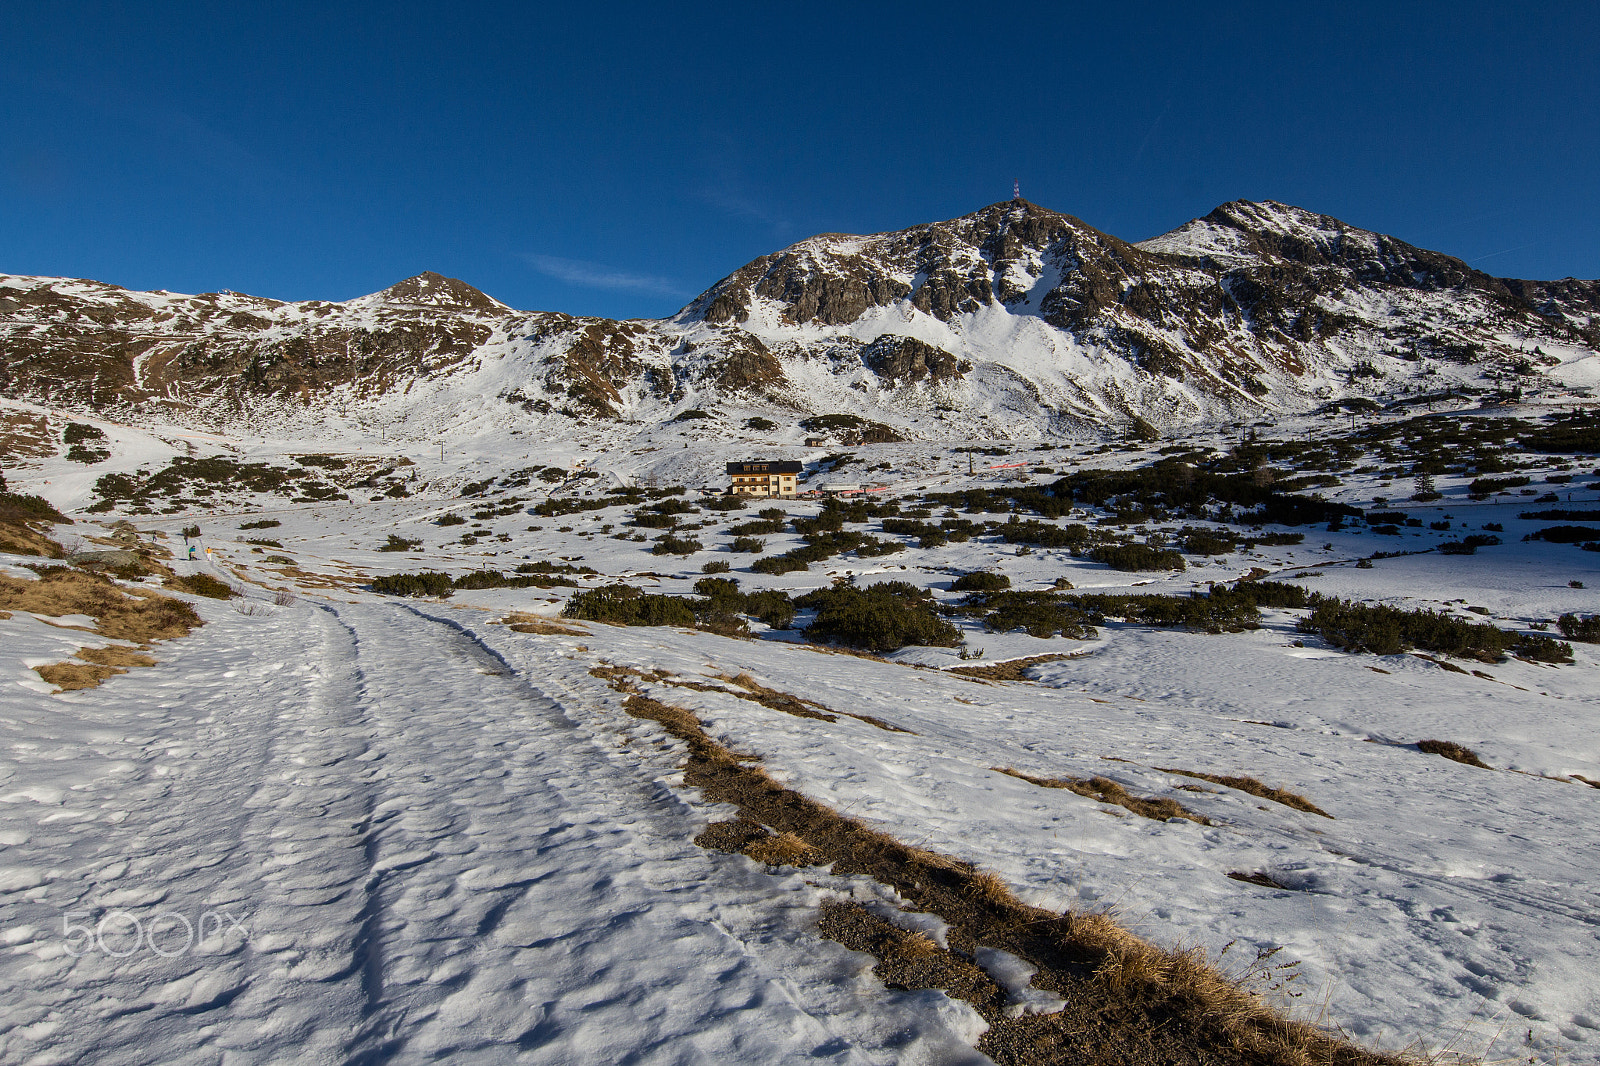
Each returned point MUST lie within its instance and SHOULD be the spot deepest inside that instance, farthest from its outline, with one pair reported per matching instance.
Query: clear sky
(617, 158)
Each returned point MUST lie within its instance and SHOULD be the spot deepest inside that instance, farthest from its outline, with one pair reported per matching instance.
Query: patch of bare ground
(135, 615)
(25, 436)
(1440, 663)
(1254, 788)
(1108, 791)
(1257, 878)
(521, 622)
(1585, 780)
(748, 688)
(1010, 670)
(1128, 1003)
(1452, 751)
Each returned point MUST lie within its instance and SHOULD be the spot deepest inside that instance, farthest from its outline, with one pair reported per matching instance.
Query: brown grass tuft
(137, 616)
(105, 663)
(115, 655)
(784, 849)
(1010, 670)
(535, 623)
(1108, 791)
(1254, 788)
(200, 585)
(1131, 1002)
(1453, 751)
(69, 676)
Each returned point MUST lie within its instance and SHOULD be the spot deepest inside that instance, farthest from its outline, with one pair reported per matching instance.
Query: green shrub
(1137, 557)
(395, 543)
(748, 544)
(716, 566)
(777, 564)
(624, 605)
(818, 423)
(1039, 614)
(1486, 485)
(450, 520)
(760, 425)
(15, 506)
(1207, 543)
(1566, 534)
(1045, 534)
(880, 618)
(722, 503)
(980, 581)
(773, 514)
(493, 579)
(670, 545)
(427, 583)
(1270, 593)
(756, 529)
(1585, 628)
(265, 523)
(77, 432)
(1384, 630)
(771, 607)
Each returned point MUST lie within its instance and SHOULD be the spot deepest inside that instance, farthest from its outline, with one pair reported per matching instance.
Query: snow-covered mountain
(1015, 320)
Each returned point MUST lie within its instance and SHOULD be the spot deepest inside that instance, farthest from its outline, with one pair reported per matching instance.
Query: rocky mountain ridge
(1011, 321)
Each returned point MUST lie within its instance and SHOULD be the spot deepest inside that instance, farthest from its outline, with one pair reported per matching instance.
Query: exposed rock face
(103, 345)
(906, 359)
(1014, 307)
(747, 365)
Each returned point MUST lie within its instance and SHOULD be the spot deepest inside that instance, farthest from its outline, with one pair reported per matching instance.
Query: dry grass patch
(1010, 670)
(753, 690)
(116, 655)
(521, 622)
(1108, 791)
(200, 585)
(1453, 751)
(133, 615)
(783, 849)
(69, 676)
(1127, 1001)
(98, 665)
(1254, 788)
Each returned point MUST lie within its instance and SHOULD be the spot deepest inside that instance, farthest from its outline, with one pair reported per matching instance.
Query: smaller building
(763, 477)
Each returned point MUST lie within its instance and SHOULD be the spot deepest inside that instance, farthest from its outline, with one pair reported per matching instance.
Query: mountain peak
(429, 289)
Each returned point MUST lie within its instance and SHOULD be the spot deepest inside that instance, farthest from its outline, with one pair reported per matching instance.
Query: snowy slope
(1014, 321)
(441, 836)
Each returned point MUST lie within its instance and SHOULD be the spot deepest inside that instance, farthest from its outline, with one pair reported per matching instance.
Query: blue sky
(616, 159)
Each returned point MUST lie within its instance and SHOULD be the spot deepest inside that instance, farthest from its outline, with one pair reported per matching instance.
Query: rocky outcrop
(907, 360)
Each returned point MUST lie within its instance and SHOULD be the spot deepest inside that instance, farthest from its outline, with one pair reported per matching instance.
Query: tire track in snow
(433, 859)
(532, 897)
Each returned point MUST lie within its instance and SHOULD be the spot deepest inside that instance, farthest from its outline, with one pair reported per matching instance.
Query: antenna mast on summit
(1016, 191)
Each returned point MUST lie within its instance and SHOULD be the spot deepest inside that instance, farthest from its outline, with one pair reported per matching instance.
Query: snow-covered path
(397, 850)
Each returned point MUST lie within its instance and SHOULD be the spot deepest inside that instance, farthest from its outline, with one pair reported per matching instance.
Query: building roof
(766, 466)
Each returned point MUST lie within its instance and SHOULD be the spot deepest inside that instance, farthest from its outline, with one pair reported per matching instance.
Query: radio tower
(1016, 191)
